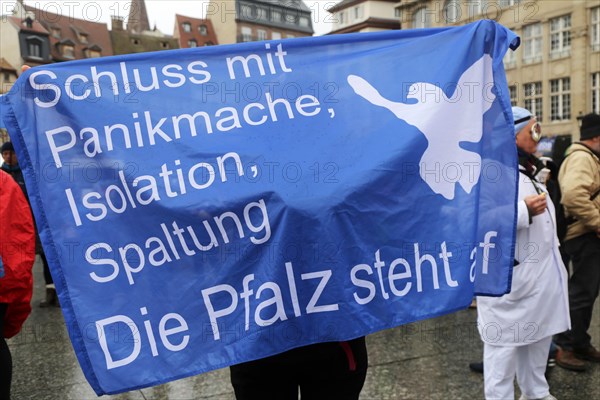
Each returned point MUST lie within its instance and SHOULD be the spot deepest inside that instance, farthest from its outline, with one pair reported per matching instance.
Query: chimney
(116, 23)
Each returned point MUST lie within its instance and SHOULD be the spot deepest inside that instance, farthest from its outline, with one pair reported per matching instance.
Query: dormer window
(68, 51)
(164, 45)
(261, 13)
(56, 32)
(28, 22)
(291, 18)
(203, 30)
(93, 52)
(83, 38)
(247, 11)
(192, 43)
(187, 27)
(135, 41)
(34, 47)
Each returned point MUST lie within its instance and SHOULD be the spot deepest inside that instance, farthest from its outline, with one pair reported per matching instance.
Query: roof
(295, 4)
(296, 8)
(379, 23)
(35, 26)
(185, 37)
(348, 3)
(125, 42)
(70, 29)
(5, 65)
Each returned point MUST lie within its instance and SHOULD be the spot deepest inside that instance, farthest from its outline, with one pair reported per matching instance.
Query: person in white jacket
(517, 328)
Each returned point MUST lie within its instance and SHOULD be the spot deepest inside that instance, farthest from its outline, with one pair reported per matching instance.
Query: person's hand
(536, 204)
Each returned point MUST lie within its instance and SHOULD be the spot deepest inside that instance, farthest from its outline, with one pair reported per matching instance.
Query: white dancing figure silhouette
(445, 122)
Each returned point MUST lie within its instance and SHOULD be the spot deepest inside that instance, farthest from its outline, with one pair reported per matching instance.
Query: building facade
(194, 32)
(137, 37)
(8, 75)
(72, 38)
(237, 21)
(364, 16)
(127, 42)
(23, 40)
(555, 72)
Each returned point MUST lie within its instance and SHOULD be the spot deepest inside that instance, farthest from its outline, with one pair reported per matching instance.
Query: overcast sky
(160, 12)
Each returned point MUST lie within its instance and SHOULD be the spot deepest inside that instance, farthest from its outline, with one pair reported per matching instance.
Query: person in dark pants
(322, 371)
(5, 359)
(579, 179)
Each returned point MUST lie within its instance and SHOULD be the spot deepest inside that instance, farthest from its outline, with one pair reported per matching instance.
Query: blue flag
(205, 207)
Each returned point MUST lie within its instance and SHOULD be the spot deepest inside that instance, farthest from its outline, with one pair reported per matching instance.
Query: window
(532, 43)
(275, 35)
(261, 34)
(291, 17)
(452, 12)
(34, 48)
(421, 19)
(560, 36)
(92, 53)
(192, 43)
(290, 36)
(560, 99)
(246, 34)
(203, 30)
(510, 59)
(357, 12)
(83, 38)
(398, 13)
(595, 29)
(56, 32)
(68, 51)
(209, 43)
(533, 99)
(246, 11)
(261, 13)
(28, 22)
(135, 41)
(276, 16)
(304, 21)
(342, 17)
(596, 92)
(508, 3)
(512, 92)
(164, 45)
(477, 7)
(187, 27)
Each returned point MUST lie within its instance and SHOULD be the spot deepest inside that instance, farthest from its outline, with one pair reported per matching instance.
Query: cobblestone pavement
(427, 360)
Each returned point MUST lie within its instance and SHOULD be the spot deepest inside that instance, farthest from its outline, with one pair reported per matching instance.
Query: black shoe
(51, 299)
(589, 354)
(476, 367)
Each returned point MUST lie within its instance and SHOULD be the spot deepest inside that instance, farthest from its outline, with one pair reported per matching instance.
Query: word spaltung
(174, 255)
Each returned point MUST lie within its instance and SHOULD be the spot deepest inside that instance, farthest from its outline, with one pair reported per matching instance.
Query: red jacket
(17, 249)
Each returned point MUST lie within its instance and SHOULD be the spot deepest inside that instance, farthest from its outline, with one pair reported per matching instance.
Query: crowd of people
(546, 308)
(544, 304)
